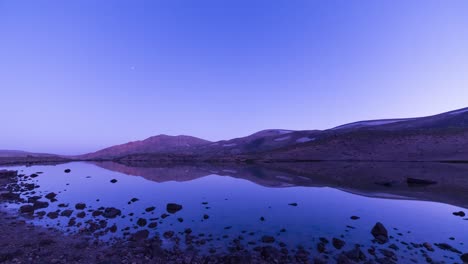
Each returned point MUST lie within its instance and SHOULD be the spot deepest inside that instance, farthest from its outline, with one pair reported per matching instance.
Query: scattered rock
(80, 206)
(338, 243)
(40, 205)
(206, 216)
(354, 217)
(111, 212)
(26, 209)
(268, 239)
(150, 209)
(168, 234)
(380, 233)
(464, 258)
(52, 215)
(140, 235)
(50, 196)
(141, 222)
(428, 246)
(173, 208)
(113, 181)
(66, 213)
(81, 214)
(459, 213)
(445, 246)
(293, 204)
(67, 171)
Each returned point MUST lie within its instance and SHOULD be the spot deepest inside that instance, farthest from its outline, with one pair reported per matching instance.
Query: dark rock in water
(34, 175)
(50, 196)
(428, 246)
(40, 205)
(7, 173)
(113, 228)
(268, 239)
(168, 234)
(262, 218)
(180, 219)
(33, 199)
(413, 181)
(354, 217)
(141, 222)
(62, 205)
(459, 213)
(380, 233)
(445, 246)
(111, 212)
(188, 231)
(113, 181)
(206, 216)
(96, 213)
(72, 222)
(153, 225)
(464, 258)
(26, 208)
(134, 200)
(80, 206)
(52, 215)
(356, 254)
(140, 235)
(321, 247)
(173, 208)
(81, 214)
(338, 243)
(66, 213)
(67, 171)
(150, 209)
(293, 204)
(163, 216)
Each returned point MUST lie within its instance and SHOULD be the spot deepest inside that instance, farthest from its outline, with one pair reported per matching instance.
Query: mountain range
(442, 137)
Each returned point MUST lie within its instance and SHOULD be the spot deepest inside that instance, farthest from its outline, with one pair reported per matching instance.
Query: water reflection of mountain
(379, 179)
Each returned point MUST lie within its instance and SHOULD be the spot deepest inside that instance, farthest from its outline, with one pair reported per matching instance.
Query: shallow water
(235, 205)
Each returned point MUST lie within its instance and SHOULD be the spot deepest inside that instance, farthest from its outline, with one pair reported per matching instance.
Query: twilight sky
(76, 76)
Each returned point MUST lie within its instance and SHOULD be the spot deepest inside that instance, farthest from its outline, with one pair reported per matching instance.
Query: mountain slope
(155, 144)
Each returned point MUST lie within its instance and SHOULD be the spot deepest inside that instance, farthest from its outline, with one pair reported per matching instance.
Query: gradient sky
(76, 76)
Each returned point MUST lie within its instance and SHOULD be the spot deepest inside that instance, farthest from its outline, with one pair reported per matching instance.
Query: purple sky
(76, 76)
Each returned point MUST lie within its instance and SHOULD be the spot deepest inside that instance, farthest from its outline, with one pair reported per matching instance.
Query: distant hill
(155, 144)
(19, 153)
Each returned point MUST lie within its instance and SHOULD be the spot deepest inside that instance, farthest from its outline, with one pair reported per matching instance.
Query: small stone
(354, 217)
(338, 243)
(173, 208)
(27, 208)
(67, 171)
(150, 209)
(80, 206)
(459, 213)
(113, 181)
(141, 222)
(268, 239)
(380, 233)
(50, 196)
(293, 204)
(168, 234)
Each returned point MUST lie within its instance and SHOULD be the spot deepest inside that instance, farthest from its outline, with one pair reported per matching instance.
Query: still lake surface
(221, 203)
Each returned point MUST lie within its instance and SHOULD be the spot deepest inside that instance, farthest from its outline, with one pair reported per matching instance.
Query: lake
(291, 206)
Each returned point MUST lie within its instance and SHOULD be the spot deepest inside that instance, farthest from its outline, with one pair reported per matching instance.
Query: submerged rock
(173, 208)
(380, 233)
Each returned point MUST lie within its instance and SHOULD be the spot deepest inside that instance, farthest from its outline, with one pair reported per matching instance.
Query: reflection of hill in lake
(380, 179)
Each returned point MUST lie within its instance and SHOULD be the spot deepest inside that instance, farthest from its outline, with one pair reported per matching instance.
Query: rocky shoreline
(26, 243)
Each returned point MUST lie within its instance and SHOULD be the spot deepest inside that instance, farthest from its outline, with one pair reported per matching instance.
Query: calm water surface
(235, 205)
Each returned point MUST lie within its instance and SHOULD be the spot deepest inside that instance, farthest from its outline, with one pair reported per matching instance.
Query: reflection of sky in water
(320, 212)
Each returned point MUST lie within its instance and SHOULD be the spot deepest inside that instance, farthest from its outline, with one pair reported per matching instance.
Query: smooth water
(235, 205)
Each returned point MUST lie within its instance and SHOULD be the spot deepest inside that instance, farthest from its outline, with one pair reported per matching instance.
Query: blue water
(238, 203)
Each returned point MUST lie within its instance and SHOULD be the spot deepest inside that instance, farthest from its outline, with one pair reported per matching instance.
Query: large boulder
(464, 258)
(380, 233)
